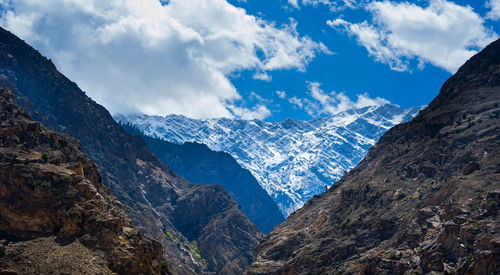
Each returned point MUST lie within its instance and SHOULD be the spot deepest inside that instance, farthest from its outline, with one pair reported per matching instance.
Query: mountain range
(293, 160)
(391, 191)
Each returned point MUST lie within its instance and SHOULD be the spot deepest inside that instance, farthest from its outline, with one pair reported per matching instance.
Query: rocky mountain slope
(293, 160)
(55, 215)
(425, 199)
(152, 193)
(200, 165)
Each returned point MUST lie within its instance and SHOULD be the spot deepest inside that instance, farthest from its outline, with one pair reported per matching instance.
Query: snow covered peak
(293, 160)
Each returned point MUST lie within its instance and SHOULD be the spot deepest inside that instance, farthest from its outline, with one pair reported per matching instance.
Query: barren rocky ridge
(424, 200)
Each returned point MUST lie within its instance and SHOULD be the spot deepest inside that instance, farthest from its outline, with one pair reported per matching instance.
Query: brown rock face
(148, 189)
(55, 215)
(425, 199)
(210, 216)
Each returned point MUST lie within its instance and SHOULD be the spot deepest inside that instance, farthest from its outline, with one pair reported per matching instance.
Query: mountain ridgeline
(425, 200)
(200, 165)
(293, 160)
(200, 227)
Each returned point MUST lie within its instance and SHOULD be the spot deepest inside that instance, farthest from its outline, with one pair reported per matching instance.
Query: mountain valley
(292, 160)
(372, 189)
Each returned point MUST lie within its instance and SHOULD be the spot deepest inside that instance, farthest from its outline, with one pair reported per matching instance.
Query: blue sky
(202, 58)
(350, 69)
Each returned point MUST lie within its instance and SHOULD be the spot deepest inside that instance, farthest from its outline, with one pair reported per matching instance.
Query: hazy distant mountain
(293, 160)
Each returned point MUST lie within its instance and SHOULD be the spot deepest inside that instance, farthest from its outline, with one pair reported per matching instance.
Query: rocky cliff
(150, 191)
(55, 215)
(200, 165)
(424, 200)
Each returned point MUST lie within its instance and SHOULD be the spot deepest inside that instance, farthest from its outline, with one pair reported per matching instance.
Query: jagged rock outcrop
(200, 165)
(55, 215)
(148, 189)
(425, 200)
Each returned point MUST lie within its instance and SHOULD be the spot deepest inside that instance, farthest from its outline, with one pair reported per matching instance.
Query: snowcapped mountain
(293, 160)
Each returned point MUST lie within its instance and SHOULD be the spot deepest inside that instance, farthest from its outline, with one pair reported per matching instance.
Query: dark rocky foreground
(424, 200)
(152, 193)
(55, 215)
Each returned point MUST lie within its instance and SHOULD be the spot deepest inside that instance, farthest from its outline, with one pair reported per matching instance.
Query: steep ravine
(425, 199)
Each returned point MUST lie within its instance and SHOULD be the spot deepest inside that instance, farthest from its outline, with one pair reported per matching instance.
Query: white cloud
(318, 94)
(297, 101)
(259, 111)
(494, 13)
(364, 100)
(333, 5)
(255, 96)
(443, 33)
(142, 56)
(281, 94)
(294, 3)
(262, 76)
(323, 103)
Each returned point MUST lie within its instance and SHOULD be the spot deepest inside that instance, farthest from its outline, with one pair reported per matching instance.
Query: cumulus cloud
(442, 33)
(159, 58)
(330, 103)
(494, 13)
